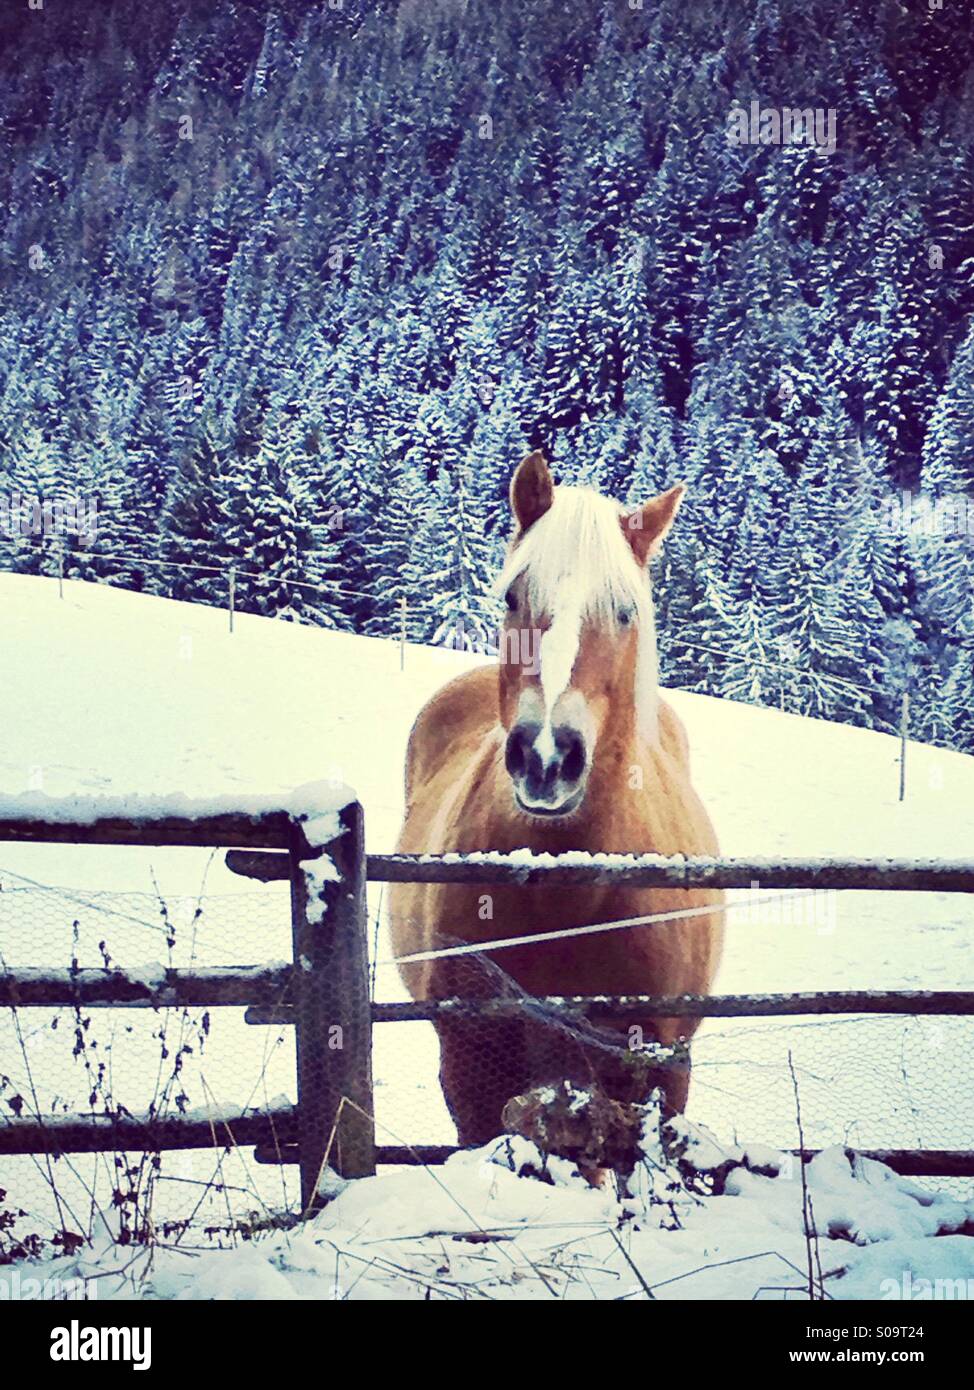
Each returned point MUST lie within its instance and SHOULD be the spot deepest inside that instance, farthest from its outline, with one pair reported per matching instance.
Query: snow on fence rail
(678, 871)
(644, 871)
(320, 852)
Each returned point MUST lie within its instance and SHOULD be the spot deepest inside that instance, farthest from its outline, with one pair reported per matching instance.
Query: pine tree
(197, 519)
(454, 565)
(267, 533)
(311, 309)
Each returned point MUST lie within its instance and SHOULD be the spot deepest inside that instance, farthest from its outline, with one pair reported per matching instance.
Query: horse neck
(630, 735)
(620, 748)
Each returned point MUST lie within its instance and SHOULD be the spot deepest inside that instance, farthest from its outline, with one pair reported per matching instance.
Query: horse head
(578, 646)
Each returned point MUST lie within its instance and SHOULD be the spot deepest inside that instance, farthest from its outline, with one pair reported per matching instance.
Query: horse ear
(532, 490)
(645, 529)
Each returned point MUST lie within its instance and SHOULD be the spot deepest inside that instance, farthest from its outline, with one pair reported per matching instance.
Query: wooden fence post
(904, 728)
(332, 1008)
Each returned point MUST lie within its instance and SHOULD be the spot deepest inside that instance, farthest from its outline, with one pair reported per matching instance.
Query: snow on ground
(479, 1227)
(105, 693)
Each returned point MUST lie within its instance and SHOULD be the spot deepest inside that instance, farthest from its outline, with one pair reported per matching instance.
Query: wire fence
(337, 593)
(170, 1062)
(872, 1082)
(460, 638)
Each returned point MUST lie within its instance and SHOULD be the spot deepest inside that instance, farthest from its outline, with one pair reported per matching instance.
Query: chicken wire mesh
(871, 1082)
(185, 1062)
(866, 1081)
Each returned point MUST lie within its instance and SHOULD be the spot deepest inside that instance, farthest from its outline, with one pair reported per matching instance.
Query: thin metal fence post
(232, 585)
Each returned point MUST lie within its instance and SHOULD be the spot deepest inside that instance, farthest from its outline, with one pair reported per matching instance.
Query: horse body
(475, 742)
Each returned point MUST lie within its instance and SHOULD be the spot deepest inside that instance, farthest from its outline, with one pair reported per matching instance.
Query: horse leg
(481, 1068)
(674, 1088)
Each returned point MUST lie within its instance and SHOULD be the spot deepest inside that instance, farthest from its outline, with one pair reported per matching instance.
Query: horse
(564, 745)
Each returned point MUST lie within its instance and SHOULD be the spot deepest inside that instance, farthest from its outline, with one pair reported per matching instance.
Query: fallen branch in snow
(586, 1126)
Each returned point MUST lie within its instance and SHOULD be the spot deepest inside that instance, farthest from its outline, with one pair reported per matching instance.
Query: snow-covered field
(479, 1227)
(106, 692)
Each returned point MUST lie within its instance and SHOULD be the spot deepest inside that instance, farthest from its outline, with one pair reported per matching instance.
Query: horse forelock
(576, 563)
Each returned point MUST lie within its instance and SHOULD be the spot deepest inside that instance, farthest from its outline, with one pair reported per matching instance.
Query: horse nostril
(516, 752)
(571, 746)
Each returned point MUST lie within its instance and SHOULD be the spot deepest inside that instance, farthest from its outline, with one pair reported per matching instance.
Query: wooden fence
(326, 987)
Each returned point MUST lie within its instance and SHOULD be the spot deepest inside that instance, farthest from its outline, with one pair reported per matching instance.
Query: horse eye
(511, 600)
(625, 616)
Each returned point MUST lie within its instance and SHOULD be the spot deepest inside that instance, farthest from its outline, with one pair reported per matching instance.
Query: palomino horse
(565, 746)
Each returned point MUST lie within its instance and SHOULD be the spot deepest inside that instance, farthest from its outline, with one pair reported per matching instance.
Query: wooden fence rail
(275, 1134)
(207, 987)
(635, 1007)
(275, 1130)
(654, 871)
(268, 993)
(262, 830)
(645, 871)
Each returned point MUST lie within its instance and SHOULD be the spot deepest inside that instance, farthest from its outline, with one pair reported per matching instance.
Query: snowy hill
(107, 692)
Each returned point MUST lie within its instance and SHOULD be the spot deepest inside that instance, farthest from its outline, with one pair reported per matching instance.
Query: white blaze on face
(559, 648)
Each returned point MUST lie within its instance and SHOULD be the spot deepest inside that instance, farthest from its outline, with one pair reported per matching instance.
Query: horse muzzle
(548, 767)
